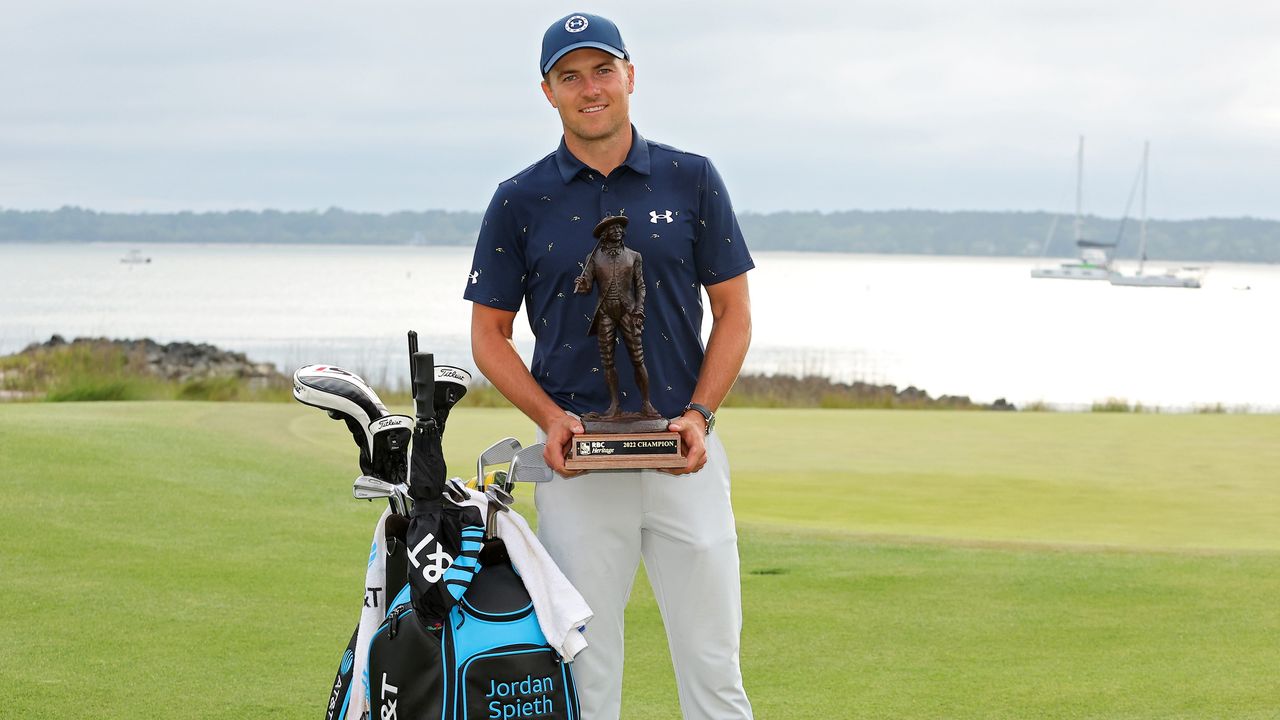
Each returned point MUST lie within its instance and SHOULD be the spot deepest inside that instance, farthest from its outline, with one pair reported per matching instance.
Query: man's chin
(596, 133)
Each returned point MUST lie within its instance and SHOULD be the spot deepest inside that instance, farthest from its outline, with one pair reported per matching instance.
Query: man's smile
(593, 109)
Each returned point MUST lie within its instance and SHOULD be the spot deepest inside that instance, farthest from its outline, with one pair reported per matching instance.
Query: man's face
(591, 89)
(613, 234)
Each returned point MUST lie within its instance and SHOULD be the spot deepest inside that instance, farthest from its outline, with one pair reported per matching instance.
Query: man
(530, 250)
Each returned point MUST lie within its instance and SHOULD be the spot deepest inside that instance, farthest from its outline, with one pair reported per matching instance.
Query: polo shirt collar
(637, 158)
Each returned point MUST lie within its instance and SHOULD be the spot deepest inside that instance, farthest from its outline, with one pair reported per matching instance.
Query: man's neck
(605, 154)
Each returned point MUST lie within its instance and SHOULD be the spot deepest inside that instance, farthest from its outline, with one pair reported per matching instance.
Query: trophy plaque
(615, 439)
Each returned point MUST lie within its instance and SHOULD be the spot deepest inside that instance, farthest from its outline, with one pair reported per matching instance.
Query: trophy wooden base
(613, 451)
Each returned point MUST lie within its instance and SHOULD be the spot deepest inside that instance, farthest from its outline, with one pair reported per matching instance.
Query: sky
(141, 105)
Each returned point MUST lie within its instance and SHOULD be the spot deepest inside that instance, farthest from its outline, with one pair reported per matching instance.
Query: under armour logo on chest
(654, 216)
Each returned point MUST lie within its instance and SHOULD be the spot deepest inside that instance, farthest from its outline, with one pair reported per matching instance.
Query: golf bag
(383, 441)
(460, 638)
(468, 645)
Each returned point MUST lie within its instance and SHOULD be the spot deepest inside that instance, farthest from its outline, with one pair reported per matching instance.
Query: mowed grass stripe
(205, 560)
(1147, 481)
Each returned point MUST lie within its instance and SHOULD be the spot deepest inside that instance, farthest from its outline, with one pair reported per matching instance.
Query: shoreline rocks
(179, 362)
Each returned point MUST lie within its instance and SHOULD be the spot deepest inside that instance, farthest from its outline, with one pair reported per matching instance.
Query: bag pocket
(517, 682)
(406, 668)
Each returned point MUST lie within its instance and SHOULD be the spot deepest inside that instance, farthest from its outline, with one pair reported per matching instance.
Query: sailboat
(135, 257)
(1095, 256)
(1183, 278)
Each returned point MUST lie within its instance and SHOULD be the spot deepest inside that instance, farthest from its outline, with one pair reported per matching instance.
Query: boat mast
(1079, 190)
(1142, 234)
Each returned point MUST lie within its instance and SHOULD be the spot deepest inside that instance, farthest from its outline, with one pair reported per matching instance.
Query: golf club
(383, 438)
(456, 489)
(370, 488)
(529, 465)
(501, 496)
(497, 453)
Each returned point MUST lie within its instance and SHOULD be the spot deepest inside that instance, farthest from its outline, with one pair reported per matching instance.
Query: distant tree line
(1009, 234)
(922, 232)
(332, 226)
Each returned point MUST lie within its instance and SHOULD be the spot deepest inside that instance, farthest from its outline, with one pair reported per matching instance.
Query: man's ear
(631, 78)
(546, 90)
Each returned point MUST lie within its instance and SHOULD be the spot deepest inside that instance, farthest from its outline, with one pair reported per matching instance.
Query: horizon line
(333, 208)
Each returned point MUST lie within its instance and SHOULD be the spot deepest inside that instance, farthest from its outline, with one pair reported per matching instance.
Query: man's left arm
(726, 349)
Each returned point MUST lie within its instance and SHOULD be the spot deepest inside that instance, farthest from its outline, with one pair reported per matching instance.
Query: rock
(181, 362)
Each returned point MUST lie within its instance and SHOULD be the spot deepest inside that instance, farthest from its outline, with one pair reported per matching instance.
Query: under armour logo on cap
(577, 23)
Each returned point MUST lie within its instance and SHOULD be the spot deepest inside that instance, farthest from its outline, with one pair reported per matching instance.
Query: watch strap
(705, 412)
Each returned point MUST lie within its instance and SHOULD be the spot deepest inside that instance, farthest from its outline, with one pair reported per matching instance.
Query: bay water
(980, 327)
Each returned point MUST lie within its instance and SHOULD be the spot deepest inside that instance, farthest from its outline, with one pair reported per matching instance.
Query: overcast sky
(145, 105)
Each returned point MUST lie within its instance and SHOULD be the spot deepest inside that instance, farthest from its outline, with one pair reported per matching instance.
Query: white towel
(371, 616)
(561, 610)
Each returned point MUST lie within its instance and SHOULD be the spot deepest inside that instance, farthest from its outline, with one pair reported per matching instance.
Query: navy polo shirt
(536, 236)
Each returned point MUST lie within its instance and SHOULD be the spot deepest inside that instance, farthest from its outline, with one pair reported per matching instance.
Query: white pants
(596, 526)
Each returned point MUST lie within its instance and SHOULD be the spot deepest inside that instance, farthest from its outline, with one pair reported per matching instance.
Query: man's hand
(560, 432)
(693, 436)
(582, 284)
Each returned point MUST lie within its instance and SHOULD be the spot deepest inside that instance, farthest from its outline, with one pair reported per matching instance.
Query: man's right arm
(495, 356)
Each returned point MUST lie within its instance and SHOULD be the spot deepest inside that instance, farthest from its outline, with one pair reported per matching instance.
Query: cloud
(803, 105)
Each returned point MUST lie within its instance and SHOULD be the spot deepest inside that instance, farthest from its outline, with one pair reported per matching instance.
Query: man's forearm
(496, 357)
(726, 350)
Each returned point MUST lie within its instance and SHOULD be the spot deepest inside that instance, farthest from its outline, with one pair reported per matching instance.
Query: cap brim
(546, 68)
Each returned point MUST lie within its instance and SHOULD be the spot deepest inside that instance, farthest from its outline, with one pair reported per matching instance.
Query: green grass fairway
(205, 560)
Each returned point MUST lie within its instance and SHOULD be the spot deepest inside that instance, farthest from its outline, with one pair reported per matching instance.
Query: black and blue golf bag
(468, 644)
(460, 638)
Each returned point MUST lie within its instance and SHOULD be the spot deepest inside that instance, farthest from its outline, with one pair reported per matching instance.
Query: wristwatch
(705, 412)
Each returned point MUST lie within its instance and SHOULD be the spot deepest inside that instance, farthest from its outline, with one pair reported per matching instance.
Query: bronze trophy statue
(615, 439)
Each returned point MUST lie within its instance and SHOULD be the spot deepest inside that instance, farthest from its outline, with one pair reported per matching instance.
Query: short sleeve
(720, 251)
(498, 274)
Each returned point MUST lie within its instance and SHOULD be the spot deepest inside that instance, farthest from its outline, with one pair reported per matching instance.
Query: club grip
(424, 374)
(413, 348)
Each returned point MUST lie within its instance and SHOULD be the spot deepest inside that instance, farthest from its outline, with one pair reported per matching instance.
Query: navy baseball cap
(577, 31)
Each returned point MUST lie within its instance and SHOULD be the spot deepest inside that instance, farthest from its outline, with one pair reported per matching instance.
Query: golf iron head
(529, 465)
(499, 495)
(456, 489)
(371, 488)
(497, 453)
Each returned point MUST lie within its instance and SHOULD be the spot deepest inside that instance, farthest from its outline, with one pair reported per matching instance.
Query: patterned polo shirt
(537, 235)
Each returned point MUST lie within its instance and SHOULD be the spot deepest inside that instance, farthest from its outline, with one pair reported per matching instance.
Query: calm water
(963, 326)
